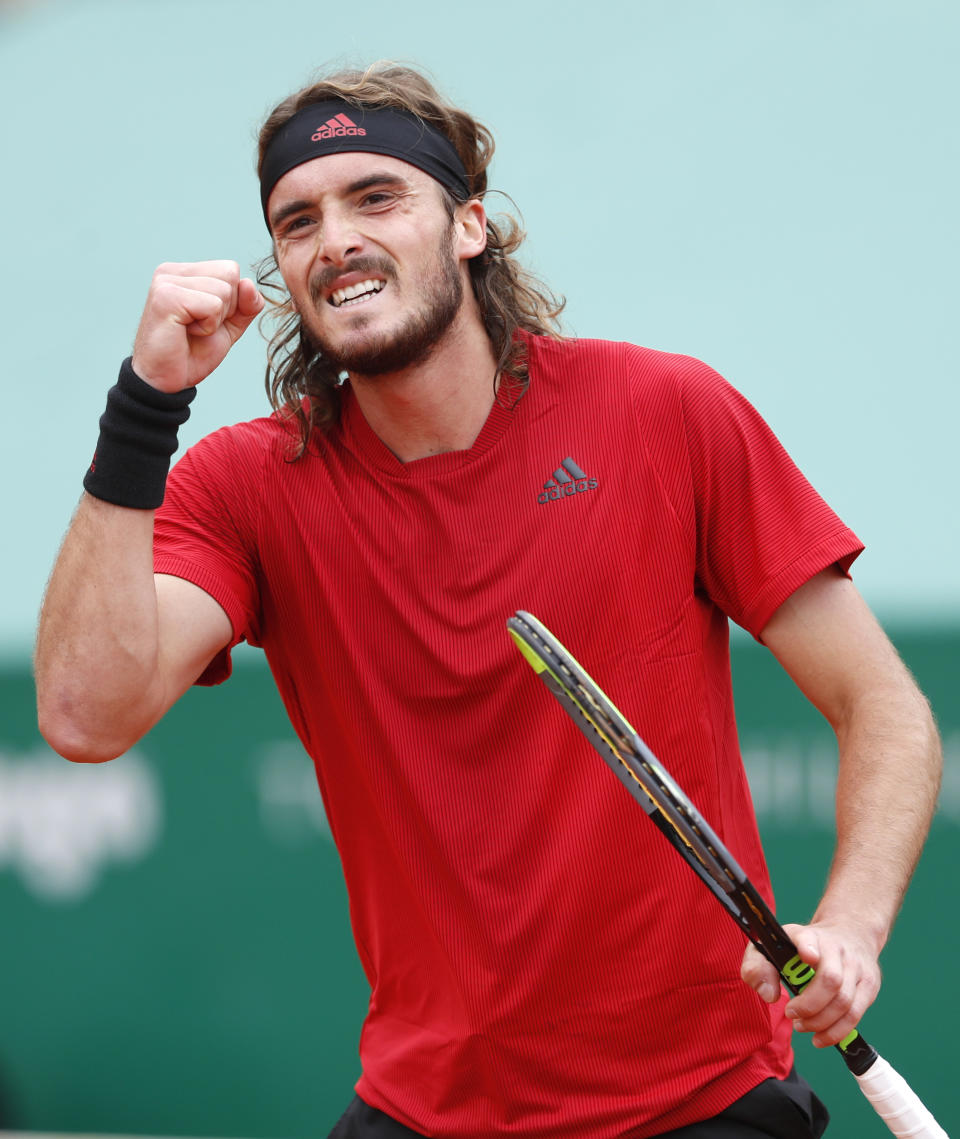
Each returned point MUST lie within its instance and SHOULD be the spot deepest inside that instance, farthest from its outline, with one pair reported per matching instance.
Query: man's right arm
(118, 645)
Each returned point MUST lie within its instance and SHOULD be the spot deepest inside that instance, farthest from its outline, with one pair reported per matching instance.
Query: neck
(438, 405)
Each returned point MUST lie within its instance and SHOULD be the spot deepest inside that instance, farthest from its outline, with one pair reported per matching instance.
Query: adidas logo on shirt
(567, 480)
(337, 127)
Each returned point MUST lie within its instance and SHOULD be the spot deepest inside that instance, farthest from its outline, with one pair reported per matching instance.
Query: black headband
(334, 126)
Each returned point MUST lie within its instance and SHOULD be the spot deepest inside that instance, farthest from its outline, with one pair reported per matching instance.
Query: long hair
(301, 384)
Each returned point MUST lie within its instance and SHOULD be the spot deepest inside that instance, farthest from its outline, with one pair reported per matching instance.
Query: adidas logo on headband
(394, 131)
(337, 127)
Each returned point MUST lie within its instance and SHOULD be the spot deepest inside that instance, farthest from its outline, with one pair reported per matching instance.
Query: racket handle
(897, 1104)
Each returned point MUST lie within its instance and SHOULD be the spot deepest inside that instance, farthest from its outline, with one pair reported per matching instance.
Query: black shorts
(775, 1109)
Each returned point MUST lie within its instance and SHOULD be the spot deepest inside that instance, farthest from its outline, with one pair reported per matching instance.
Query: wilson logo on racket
(566, 481)
(798, 973)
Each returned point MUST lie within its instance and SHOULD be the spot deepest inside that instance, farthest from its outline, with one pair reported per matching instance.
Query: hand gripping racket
(669, 808)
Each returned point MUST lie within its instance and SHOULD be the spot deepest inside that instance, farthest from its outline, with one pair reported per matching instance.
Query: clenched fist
(195, 313)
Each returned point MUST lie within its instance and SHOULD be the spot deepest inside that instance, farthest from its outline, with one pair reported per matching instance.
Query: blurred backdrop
(769, 186)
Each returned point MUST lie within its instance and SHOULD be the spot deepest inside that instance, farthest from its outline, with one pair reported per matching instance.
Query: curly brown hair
(300, 383)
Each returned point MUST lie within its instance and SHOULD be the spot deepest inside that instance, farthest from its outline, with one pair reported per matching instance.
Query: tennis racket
(669, 808)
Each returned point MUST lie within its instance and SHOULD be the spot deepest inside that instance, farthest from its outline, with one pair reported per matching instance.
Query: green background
(203, 981)
(770, 186)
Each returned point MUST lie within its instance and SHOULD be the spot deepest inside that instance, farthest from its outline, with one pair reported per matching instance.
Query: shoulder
(606, 359)
(232, 472)
(652, 382)
(254, 443)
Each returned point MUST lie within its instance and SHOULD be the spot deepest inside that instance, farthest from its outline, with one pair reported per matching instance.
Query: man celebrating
(438, 458)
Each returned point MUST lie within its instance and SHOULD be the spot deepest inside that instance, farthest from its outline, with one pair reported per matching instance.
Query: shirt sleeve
(205, 532)
(762, 529)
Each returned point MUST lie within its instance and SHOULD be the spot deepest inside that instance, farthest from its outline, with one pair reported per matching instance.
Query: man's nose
(339, 239)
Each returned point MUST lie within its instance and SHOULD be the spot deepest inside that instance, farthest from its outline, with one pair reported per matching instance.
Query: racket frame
(669, 808)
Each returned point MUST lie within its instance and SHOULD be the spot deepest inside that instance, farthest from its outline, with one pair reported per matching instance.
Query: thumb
(757, 972)
(250, 304)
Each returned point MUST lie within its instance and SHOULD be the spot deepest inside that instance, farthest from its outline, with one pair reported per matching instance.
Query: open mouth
(356, 294)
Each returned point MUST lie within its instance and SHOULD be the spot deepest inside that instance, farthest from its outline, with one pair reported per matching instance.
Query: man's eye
(293, 226)
(377, 198)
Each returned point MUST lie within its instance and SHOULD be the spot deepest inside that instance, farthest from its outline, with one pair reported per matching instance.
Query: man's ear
(470, 220)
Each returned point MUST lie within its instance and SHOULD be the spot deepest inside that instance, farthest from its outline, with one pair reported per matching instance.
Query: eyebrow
(375, 179)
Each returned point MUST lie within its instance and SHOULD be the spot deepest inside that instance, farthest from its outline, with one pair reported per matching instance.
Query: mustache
(324, 278)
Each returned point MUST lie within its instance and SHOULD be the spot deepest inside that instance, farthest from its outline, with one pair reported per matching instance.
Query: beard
(420, 332)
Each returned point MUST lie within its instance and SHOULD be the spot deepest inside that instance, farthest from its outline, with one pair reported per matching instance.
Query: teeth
(353, 292)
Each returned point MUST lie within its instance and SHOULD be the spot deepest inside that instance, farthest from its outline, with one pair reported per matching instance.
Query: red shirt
(541, 962)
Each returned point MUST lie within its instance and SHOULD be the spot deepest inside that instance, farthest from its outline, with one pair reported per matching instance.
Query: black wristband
(138, 434)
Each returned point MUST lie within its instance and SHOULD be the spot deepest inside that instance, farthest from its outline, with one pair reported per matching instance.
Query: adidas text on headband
(333, 127)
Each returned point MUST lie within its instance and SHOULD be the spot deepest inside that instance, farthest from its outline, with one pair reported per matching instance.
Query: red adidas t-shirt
(541, 963)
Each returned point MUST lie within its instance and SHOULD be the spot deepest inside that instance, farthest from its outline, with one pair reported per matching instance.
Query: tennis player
(541, 964)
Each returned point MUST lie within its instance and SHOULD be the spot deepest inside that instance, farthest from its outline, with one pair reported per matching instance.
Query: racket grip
(897, 1104)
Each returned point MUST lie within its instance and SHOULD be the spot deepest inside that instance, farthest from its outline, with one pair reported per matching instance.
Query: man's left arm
(890, 763)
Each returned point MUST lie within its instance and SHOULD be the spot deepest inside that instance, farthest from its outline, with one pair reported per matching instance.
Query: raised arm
(889, 776)
(117, 645)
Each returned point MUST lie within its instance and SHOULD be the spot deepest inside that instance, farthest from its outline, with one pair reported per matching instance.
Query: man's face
(370, 257)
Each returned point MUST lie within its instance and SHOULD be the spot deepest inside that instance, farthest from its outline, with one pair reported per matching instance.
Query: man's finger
(837, 974)
(832, 1004)
(250, 300)
(167, 290)
(200, 312)
(228, 271)
(864, 996)
(757, 972)
(807, 943)
(250, 303)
